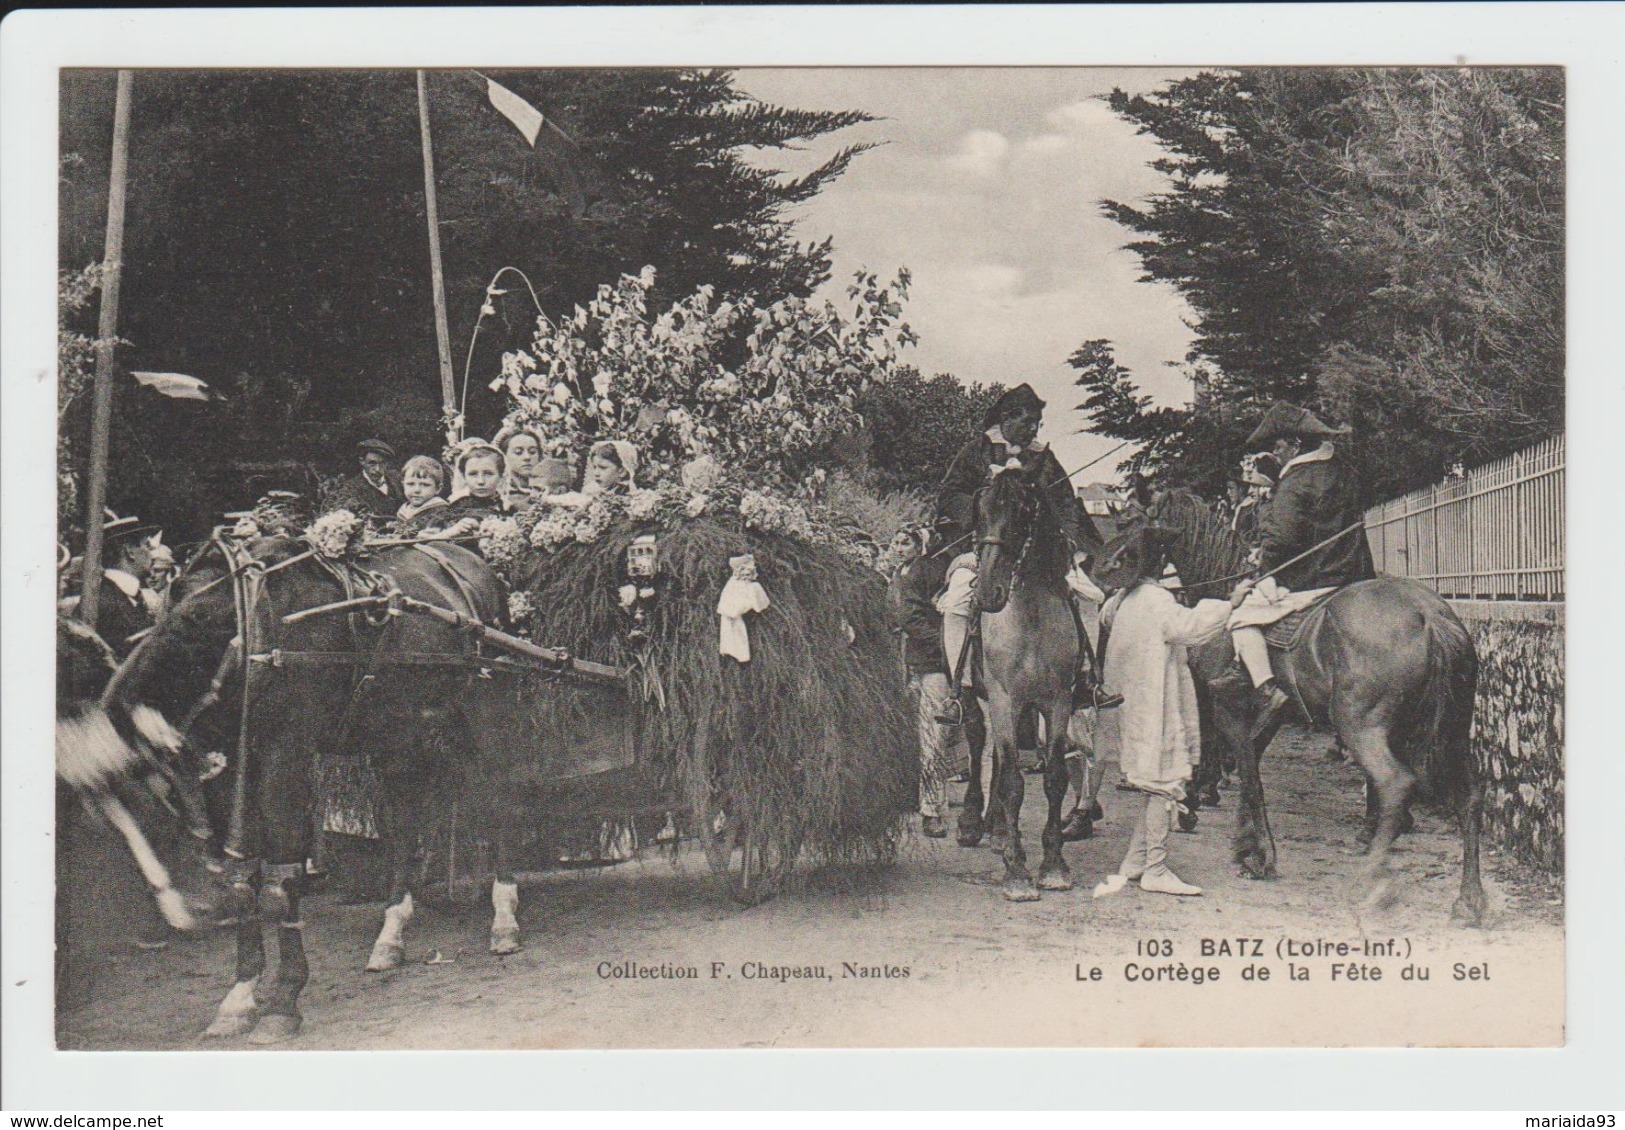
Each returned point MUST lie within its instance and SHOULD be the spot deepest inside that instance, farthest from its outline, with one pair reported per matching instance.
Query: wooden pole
(448, 397)
(101, 422)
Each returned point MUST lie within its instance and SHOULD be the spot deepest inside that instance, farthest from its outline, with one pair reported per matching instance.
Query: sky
(987, 189)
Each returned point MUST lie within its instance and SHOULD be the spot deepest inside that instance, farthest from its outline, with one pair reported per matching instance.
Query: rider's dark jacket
(1316, 498)
(956, 511)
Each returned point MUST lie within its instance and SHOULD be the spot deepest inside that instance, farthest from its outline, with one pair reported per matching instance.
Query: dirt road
(940, 959)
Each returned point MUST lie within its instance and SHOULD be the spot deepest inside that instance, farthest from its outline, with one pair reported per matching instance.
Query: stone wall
(1518, 724)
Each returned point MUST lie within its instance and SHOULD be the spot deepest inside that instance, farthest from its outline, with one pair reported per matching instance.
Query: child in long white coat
(1150, 639)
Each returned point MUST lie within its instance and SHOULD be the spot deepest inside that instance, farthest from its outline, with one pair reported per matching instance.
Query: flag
(522, 114)
(558, 150)
(178, 386)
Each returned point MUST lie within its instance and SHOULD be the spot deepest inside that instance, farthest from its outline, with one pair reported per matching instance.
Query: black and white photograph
(823, 556)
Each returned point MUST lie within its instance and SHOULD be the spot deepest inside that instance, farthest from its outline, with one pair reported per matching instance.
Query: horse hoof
(1020, 890)
(386, 956)
(1095, 811)
(505, 942)
(1187, 820)
(228, 1027)
(969, 838)
(1467, 913)
(1380, 896)
(1078, 828)
(1255, 867)
(274, 1028)
(1058, 880)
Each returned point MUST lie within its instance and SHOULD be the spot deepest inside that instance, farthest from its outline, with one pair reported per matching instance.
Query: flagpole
(454, 430)
(101, 422)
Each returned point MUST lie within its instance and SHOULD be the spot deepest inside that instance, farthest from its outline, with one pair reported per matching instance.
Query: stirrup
(952, 712)
(1106, 700)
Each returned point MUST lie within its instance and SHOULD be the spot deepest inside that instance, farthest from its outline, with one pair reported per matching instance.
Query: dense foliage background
(276, 246)
(1385, 246)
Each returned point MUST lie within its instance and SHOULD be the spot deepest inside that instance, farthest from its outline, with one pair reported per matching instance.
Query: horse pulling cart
(594, 773)
(295, 653)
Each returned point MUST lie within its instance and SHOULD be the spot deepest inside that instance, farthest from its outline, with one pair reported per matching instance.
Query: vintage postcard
(688, 556)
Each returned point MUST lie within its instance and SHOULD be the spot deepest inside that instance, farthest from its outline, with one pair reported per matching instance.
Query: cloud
(981, 152)
(1088, 114)
(1046, 143)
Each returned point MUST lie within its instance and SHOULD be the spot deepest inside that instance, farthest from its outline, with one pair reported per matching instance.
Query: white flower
(696, 505)
(642, 504)
(606, 406)
(487, 310)
(562, 393)
(331, 535)
(601, 383)
(520, 606)
(647, 593)
(628, 595)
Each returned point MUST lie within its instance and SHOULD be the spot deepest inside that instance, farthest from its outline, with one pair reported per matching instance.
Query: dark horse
(283, 695)
(1383, 663)
(1029, 657)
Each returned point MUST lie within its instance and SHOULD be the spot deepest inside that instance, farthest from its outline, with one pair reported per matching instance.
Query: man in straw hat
(127, 606)
(1010, 434)
(1315, 501)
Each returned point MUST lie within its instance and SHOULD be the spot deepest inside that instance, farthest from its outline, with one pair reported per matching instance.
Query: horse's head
(1007, 513)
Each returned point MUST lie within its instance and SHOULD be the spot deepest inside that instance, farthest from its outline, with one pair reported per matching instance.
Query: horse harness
(973, 636)
(372, 602)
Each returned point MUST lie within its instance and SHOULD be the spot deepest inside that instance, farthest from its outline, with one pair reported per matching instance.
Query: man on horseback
(1315, 504)
(1010, 434)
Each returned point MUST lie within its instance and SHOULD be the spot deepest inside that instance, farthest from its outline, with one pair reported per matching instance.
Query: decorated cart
(704, 652)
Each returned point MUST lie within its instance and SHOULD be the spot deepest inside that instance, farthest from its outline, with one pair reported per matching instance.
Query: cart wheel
(761, 871)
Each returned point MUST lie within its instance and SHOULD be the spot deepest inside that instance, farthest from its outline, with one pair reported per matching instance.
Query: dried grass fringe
(810, 745)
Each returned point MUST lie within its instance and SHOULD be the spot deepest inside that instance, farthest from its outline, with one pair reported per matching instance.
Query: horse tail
(1436, 732)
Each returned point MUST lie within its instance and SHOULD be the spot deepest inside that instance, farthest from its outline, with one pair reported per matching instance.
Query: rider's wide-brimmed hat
(1284, 420)
(1020, 398)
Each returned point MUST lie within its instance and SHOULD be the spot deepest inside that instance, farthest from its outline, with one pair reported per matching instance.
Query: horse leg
(389, 950)
(1253, 847)
(279, 1013)
(1392, 783)
(971, 825)
(1368, 826)
(998, 761)
(1009, 784)
(504, 901)
(1470, 904)
(240, 1009)
(1053, 873)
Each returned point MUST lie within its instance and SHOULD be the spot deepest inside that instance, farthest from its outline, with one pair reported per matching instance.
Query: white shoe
(1161, 880)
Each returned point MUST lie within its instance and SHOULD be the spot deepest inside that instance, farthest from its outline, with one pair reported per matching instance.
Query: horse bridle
(1027, 542)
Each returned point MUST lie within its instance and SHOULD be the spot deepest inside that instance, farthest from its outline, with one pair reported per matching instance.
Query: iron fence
(1494, 533)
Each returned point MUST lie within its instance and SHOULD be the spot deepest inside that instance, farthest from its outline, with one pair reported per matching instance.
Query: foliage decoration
(759, 388)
